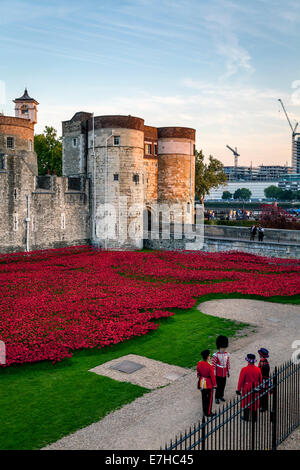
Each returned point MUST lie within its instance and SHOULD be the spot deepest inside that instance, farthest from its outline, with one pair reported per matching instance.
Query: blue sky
(216, 66)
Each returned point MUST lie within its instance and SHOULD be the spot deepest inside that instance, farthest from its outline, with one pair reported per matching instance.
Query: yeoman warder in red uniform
(250, 378)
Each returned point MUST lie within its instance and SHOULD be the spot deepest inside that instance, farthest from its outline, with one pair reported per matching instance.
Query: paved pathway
(151, 420)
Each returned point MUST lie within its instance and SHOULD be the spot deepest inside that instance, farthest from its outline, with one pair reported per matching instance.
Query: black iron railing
(243, 425)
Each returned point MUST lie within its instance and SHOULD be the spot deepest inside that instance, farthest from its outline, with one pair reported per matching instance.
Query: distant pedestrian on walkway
(221, 365)
(265, 372)
(261, 233)
(253, 231)
(250, 378)
(206, 383)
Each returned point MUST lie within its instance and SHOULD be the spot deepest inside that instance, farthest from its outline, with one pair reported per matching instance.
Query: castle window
(15, 193)
(25, 112)
(15, 227)
(63, 221)
(116, 140)
(2, 161)
(74, 183)
(135, 178)
(148, 149)
(155, 149)
(116, 177)
(74, 142)
(10, 142)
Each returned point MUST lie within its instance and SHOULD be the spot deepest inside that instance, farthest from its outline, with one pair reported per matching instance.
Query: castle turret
(116, 151)
(26, 107)
(176, 168)
(110, 150)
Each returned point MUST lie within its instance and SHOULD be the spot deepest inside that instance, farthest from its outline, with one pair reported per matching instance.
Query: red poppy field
(54, 302)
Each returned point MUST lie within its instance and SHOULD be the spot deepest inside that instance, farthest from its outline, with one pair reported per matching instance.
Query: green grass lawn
(42, 402)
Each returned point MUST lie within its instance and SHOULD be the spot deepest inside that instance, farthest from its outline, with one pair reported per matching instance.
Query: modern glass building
(291, 182)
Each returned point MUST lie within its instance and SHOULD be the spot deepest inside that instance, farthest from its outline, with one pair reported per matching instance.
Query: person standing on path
(253, 232)
(221, 365)
(261, 233)
(265, 372)
(206, 382)
(250, 377)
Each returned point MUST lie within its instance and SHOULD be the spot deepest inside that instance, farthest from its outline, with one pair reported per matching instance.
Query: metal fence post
(253, 412)
(274, 412)
(268, 429)
(203, 434)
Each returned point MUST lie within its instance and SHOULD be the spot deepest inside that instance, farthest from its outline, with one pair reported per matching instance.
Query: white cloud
(236, 115)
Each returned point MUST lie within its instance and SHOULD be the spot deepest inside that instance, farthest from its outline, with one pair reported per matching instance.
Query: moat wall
(277, 243)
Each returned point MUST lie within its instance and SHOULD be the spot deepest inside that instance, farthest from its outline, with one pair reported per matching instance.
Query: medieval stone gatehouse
(115, 170)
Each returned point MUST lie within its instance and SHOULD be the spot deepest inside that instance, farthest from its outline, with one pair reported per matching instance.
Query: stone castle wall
(115, 160)
(277, 243)
(58, 216)
(147, 165)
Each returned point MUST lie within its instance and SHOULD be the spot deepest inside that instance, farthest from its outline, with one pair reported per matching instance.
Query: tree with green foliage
(288, 195)
(207, 175)
(226, 195)
(243, 194)
(49, 151)
(273, 192)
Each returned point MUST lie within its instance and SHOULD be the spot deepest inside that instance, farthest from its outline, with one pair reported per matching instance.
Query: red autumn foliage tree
(273, 216)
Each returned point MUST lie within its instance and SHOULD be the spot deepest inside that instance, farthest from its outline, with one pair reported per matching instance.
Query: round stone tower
(176, 169)
(16, 134)
(17, 139)
(115, 161)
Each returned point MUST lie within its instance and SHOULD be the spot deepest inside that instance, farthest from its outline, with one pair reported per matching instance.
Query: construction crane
(236, 155)
(293, 129)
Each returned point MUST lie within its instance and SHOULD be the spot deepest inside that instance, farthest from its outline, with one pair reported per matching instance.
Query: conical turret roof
(26, 97)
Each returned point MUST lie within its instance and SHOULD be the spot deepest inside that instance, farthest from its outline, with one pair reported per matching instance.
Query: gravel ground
(155, 373)
(292, 442)
(152, 420)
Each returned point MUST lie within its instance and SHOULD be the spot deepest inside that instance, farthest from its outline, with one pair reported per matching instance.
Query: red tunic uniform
(206, 382)
(265, 368)
(250, 376)
(205, 371)
(221, 364)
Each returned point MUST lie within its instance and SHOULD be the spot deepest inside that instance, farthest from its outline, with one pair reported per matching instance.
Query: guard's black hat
(222, 342)
(263, 352)
(205, 354)
(250, 358)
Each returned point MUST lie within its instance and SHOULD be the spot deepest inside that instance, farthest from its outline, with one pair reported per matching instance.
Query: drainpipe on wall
(191, 188)
(27, 220)
(94, 181)
(106, 178)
